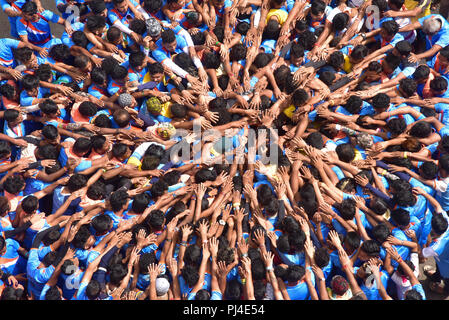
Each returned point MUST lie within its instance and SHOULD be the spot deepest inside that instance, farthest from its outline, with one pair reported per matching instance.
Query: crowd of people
(224, 150)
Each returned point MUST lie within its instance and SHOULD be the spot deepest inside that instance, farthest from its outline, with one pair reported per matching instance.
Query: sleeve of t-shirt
(332, 14)
(42, 275)
(44, 292)
(182, 43)
(191, 296)
(421, 20)
(443, 41)
(33, 259)
(159, 55)
(21, 29)
(5, 5)
(444, 131)
(418, 287)
(11, 43)
(50, 16)
(133, 77)
(216, 295)
(440, 185)
(84, 164)
(81, 293)
(113, 17)
(95, 93)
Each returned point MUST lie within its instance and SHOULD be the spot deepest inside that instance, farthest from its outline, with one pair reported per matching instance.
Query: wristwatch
(222, 222)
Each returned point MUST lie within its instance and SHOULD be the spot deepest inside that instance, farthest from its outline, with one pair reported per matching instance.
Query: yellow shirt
(289, 111)
(280, 14)
(412, 4)
(347, 66)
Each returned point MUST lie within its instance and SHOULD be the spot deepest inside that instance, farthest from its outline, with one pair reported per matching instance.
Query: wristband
(244, 255)
(217, 43)
(338, 127)
(168, 240)
(384, 172)
(237, 204)
(183, 244)
(243, 281)
(270, 268)
(405, 154)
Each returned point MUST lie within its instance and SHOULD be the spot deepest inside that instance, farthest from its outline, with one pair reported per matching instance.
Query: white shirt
(403, 284)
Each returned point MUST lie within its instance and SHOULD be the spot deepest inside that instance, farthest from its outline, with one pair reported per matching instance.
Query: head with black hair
(438, 86)
(408, 87)
(340, 21)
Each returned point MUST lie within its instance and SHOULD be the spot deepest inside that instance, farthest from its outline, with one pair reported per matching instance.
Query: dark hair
(88, 108)
(403, 47)
(336, 60)
(396, 126)
(93, 289)
(156, 219)
(347, 209)
(119, 72)
(95, 22)
(140, 202)
(272, 30)
(371, 248)
(321, 257)
(295, 273)
(50, 132)
(7, 91)
(97, 6)
(82, 145)
(11, 115)
(438, 84)
(421, 72)
(421, 129)
(345, 152)
(359, 52)
(136, 59)
(392, 61)
(5, 149)
(29, 7)
(409, 86)
(413, 294)
(101, 223)
(340, 21)
(429, 170)
(391, 27)
(381, 232)
(352, 239)
(14, 184)
(76, 182)
(381, 101)
(353, 104)
(121, 117)
(30, 204)
(168, 36)
(98, 75)
(103, 121)
(439, 224)
(118, 199)
(30, 82)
